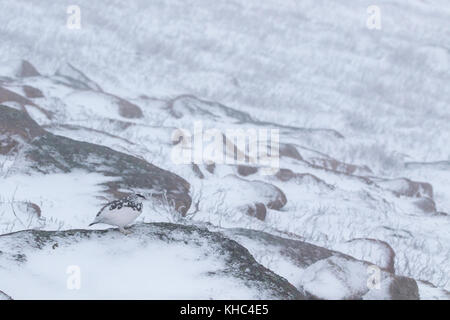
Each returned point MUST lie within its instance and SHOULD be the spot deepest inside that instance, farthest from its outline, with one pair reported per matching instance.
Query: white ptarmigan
(120, 212)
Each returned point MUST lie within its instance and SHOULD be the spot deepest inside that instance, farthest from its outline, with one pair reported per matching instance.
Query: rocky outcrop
(394, 288)
(10, 96)
(128, 110)
(375, 251)
(252, 197)
(73, 77)
(246, 170)
(162, 253)
(190, 106)
(335, 165)
(32, 92)
(18, 68)
(421, 193)
(403, 288)
(429, 291)
(4, 296)
(325, 273)
(290, 151)
(408, 188)
(285, 175)
(46, 153)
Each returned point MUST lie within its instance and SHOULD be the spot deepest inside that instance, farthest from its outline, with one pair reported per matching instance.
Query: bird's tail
(93, 223)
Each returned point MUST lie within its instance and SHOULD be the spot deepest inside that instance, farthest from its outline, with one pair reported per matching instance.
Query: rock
(10, 96)
(403, 288)
(210, 167)
(129, 110)
(241, 191)
(234, 195)
(257, 210)
(324, 273)
(102, 104)
(285, 174)
(48, 153)
(14, 123)
(407, 187)
(75, 78)
(428, 291)
(302, 179)
(27, 70)
(16, 126)
(197, 171)
(246, 170)
(31, 92)
(4, 296)
(394, 288)
(338, 166)
(290, 151)
(375, 251)
(425, 204)
(18, 68)
(336, 278)
(299, 253)
(189, 105)
(157, 260)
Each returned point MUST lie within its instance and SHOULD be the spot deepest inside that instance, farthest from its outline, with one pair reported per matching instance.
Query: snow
(374, 251)
(4, 296)
(335, 278)
(430, 292)
(102, 266)
(144, 265)
(66, 200)
(375, 99)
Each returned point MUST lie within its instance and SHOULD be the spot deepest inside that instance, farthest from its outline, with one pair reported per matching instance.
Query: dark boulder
(51, 153)
(246, 170)
(237, 266)
(32, 92)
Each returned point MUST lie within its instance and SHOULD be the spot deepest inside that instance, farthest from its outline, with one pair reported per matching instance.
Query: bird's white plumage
(119, 217)
(121, 212)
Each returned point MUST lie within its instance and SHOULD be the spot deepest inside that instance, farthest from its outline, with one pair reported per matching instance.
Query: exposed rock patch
(32, 92)
(246, 170)
(407, 187)
(324, 273)
(50, 153)
(4, 296)
(231, 266)
(75, 78)
(335, 165)
(375, 251)
(129, 110)
(10, 96)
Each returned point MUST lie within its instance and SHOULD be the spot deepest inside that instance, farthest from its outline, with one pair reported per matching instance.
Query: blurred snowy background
(364, 117)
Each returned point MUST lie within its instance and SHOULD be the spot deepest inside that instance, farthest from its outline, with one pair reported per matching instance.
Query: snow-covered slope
(158, 261)
(362, 114)
(324, 273)
(4, 296)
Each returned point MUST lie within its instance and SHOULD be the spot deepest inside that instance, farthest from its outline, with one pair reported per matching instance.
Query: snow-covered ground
(158, 262)
(363, 117)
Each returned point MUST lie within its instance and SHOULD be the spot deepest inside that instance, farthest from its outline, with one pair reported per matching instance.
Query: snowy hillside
(362, 175)
(148, 264)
